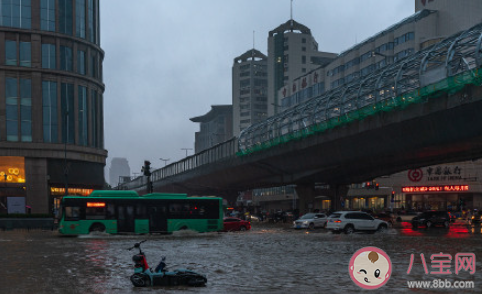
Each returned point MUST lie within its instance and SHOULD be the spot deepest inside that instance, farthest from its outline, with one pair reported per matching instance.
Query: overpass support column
(306, 195)
(338, 196)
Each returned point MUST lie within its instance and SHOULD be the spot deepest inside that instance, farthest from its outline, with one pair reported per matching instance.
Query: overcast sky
(167, 61)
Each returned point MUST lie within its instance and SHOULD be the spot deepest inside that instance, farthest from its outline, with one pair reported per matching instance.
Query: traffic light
(146, 169)
(372, 185)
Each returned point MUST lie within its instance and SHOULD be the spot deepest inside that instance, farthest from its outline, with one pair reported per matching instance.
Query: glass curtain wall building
(51, 103)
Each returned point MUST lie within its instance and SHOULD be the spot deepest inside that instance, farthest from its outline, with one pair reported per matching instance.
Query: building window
(48, 56)
(10, 52)
(47, 15)
(68, 115)
(16, 106)
(66, 58)
(82, 97)
(16, 14)
(25, 54)
(93, 106)
(11, 95)
(92, 21)
(65, 17)
(26, 109)
(303, 59)
(93, 66)
(404, 38)
(81, 62)
(49, 104)
(80, 18)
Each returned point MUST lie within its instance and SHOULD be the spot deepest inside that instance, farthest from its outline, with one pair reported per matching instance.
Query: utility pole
(186, 150)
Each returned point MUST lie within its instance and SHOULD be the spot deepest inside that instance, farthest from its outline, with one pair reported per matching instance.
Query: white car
(311, 221)
(352, 221)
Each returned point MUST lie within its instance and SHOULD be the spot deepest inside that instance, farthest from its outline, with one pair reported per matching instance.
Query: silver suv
(352, 221)
(311, 221)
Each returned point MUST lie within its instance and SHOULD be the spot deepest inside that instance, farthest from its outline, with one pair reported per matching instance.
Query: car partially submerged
(311, 221)
(353, 221)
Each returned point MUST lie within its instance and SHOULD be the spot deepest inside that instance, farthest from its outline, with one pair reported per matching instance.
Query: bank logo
(415, 175)
(370, 268)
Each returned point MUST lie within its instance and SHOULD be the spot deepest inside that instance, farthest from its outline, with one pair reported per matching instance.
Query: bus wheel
(97, 228)
(183, 228)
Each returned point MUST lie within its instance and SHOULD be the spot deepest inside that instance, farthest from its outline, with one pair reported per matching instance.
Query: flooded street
(268, 259)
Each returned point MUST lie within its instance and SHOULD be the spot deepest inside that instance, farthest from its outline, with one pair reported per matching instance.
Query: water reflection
(263, 260)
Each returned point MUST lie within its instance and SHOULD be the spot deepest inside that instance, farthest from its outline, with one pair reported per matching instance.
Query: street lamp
(166, 160)
(186, 150)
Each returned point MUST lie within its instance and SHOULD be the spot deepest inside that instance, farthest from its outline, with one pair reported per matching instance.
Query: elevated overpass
(418, 111)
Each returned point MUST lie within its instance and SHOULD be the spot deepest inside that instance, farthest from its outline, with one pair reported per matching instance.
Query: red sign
(446, 188)
(415, 175)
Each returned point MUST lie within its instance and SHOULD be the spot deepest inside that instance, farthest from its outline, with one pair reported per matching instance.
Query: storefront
(12, 185)
(365, 202)
(37, 185)
(451, 187)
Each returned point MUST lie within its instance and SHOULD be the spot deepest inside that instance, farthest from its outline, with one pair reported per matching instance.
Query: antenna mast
(253, 39)
(291, 11)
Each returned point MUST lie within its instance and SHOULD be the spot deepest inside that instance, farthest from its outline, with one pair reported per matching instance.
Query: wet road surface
(268, 259)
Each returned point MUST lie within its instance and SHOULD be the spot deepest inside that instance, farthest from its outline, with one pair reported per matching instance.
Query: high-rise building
(216, 126)
(51, 102)
(433, 21)
(119, 171)
(292, 52)
(250, 90)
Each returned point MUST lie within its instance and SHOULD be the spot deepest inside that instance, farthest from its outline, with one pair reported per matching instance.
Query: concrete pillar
(306, 197)
(337, 194)
(38, 194)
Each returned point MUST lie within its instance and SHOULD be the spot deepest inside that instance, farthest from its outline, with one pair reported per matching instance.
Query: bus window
(141, 212)
(72, 213)
(110, 211)
(174, 210)
(95, 213)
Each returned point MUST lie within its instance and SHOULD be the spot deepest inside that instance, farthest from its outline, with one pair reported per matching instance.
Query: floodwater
(268, 259)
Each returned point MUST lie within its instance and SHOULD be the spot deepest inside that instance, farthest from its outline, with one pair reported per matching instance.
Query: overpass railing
(216, 153)
(444, 67)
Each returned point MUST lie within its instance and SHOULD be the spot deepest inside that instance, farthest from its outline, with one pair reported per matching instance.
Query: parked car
(352, 221)
(431, 218)
(311, 221)
(236, 224)
(406, 215)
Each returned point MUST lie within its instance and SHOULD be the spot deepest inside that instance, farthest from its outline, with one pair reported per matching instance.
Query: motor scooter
(160, 276)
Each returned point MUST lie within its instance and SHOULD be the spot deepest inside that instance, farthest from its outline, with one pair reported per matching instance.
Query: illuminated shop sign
(57, 191)
(444, 188)
(12, 169)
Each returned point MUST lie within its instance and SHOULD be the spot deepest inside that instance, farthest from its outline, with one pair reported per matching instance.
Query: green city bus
(117, 211)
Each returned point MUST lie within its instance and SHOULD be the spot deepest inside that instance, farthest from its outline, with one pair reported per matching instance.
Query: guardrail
(216, 153)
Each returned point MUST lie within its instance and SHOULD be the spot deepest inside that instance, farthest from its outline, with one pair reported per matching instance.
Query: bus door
(157, 219)
(125, 218)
